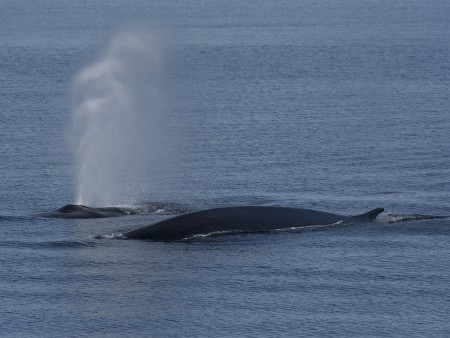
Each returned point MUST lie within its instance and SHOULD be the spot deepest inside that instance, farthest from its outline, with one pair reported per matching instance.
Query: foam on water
(115, 235)
(392, 217)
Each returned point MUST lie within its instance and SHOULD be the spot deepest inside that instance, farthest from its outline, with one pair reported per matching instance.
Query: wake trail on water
(274, 231)
(392, 217)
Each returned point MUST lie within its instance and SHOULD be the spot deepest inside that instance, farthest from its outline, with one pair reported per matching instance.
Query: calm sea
(340, 106)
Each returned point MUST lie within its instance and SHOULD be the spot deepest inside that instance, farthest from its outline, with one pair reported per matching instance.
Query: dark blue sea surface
(339, 106)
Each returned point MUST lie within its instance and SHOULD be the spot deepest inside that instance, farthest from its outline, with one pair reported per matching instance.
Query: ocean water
(340, 106)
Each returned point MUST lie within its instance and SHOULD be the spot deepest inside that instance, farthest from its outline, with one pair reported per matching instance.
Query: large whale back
(249, 218)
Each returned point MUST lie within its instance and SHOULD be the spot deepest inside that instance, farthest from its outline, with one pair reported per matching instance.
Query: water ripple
(47, 244)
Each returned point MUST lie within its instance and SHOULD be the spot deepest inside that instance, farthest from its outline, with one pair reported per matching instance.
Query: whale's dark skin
(82, 211)
(244, 218)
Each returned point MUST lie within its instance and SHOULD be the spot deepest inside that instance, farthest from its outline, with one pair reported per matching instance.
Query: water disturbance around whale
(148, 208)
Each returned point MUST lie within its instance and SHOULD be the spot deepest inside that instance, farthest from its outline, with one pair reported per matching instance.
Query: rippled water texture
(338, 106)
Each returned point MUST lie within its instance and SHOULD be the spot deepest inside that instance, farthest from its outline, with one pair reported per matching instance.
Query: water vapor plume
(115, 125)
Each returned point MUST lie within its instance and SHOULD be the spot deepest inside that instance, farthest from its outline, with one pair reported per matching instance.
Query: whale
(82, 211)
(145, 208)
(241, 219)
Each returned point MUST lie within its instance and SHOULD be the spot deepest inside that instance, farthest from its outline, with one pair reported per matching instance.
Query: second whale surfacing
(146, 208)
(82, 211)
(241, 219)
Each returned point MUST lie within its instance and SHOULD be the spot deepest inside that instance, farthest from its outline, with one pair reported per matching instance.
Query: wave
(281, 230)
(47, 244)
(8, 218)
(115, 235)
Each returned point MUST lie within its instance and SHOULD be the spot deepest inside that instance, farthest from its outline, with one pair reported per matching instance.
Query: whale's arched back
(241, 218)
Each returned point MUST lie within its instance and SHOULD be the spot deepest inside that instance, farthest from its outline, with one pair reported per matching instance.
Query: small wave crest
(280, 230)
(114, 235)
(47, 244)
(212, 234)
(310, 227)
(7, 218)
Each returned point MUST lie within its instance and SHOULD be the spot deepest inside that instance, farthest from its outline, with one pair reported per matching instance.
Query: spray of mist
(115, 134)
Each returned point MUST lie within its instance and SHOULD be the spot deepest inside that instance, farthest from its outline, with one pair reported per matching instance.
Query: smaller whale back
(82, 211)
(71, 208)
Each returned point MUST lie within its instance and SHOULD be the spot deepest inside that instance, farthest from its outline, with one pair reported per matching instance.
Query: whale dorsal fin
(371, 215)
